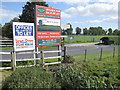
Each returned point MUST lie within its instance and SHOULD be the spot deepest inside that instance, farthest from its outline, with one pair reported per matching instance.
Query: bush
(70, 78)
(68, 59)
(33, 77)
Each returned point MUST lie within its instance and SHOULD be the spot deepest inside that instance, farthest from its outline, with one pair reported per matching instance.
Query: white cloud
(8, 15)
(83, 1)
(65, 15)
(97, 9)
(108, 20)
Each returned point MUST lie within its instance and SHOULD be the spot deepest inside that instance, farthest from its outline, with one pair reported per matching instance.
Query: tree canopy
(78, 31)
(7, 29)
(29, 11)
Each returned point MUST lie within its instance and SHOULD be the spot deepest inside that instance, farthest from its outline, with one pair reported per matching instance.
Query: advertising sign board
(48, 28)
(23, 36)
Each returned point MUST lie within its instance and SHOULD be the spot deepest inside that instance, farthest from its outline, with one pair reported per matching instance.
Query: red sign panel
(48, 28)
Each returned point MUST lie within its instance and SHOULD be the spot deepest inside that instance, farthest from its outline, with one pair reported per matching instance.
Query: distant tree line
(91, 31)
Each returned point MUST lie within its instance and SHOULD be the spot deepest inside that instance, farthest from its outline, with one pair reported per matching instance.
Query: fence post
(42, 57)
(34, 57)
(113, 52)
(59, 53)
(85, 54)
(101, 54)
(12, 61)
(65, 51)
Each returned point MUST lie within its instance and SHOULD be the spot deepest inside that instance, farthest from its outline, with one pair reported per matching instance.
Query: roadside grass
(106, 68)
(95, 56)
(6, 48)
(10, 48)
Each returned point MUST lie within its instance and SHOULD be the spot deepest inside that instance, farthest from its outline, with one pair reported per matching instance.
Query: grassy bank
(93, 73)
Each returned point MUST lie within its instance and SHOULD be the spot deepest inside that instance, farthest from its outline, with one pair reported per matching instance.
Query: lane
(70, 51)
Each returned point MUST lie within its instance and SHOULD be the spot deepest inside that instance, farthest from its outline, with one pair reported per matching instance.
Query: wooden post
(34, 57)
(36, 54)
(63, 41)
(101, 54)
(15, 58)
(59, 53)
(85, 54)
(42, 57)
(65, 52)
(12, 61)
(113, 52)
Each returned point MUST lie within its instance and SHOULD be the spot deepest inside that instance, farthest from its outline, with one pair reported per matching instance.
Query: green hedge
(32, 77)
(71, 78)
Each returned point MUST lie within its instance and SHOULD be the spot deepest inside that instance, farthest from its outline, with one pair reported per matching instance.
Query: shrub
(70, 78)
(33, 77)
(68, 59)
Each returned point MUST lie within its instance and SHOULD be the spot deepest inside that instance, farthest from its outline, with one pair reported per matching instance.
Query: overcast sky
(80, 13)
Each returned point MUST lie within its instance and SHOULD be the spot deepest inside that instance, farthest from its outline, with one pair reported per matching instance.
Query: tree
(115, 32)
(85, 31)
(29, 9)
(7, 30)
(78, 30)
(69, 30)
(110, 31)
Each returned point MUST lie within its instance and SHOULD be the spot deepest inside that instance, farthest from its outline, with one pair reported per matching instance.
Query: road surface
(72, 49)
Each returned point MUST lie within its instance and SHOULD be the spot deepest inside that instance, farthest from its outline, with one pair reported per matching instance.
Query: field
(84, 39)
(104, 71)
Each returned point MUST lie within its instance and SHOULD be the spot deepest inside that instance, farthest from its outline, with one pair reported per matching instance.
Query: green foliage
(68, 59)
(32, 77)
(110, 31)
(85, 31)
(71, 78)
(28, 11)
(116, 32)
(92, 74)
(78, 31)
(94, 31)
(7, 30)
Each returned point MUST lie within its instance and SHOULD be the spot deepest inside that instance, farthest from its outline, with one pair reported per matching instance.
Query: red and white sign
(48, 26)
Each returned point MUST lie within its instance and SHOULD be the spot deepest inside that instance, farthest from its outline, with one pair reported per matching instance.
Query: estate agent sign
(48, 28)
(23, 35)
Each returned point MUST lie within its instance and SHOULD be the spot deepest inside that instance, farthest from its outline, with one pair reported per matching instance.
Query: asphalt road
(72, 49)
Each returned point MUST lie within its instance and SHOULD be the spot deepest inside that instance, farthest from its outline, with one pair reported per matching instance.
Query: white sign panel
(48, 21)
(66, 26)
(23, 36)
